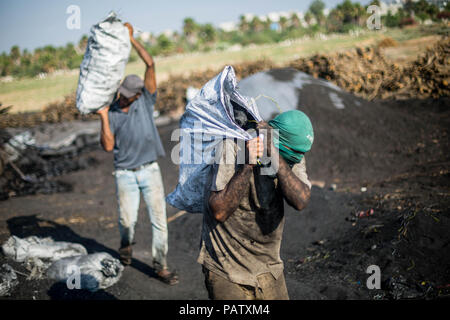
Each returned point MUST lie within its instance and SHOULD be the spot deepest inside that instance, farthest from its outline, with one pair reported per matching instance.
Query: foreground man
(241, 235)
(128, 129)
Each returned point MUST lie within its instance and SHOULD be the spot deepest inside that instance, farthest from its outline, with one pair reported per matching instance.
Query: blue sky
(30, 24)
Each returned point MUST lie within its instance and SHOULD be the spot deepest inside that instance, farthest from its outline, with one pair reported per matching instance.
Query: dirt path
(88, 216)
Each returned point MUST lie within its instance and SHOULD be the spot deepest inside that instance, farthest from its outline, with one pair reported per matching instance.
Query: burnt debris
(27, 169)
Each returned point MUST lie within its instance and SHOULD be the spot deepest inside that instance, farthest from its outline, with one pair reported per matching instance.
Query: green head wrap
(295, 132)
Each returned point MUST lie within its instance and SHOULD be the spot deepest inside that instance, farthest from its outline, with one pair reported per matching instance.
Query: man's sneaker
(126, 253)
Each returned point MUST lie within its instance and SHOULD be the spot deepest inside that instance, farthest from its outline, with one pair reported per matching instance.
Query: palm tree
(348, 11)
(164, 43)
(243, 24)
(82, 44)
(15, 54)
(359, 13)
(335, 20)
(295, 20)
(283, 22)
(189, 27)
(208, 33)
(267, 23)
(316, 9)
(256, 25)
(308, 17)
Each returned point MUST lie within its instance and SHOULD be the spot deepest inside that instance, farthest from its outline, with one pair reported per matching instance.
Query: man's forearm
(294, 190)
(106, 136)
(150, 78)
(225, 202)
(145, 56)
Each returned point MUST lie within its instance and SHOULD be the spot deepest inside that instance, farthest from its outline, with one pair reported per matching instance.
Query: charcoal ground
(397, 150)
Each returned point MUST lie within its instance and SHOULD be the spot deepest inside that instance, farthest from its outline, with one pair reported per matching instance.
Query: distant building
(169, 33)
(439, 3)
(390, 6)
(274, 16)
(262, 18)
(388, 2)
(248, 16)
(145, 36)
(228, 26)
(395, 5)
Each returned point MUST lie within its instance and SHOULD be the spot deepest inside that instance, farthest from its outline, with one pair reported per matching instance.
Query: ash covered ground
(396, 150)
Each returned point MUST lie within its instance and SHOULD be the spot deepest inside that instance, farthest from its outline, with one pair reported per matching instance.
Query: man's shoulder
(147, 96)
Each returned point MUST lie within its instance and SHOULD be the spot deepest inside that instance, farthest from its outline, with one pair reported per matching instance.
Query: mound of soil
(400, 223)
(387, 42)
(406, 237)
(366, 72)
(356, 142)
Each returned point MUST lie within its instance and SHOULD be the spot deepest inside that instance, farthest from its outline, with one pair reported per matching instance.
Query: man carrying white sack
(128, 129)
(243, 227)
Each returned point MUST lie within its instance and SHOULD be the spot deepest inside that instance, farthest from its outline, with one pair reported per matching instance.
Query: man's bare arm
(150, 77)
(223, 203)
(106, 136)
(295, 192)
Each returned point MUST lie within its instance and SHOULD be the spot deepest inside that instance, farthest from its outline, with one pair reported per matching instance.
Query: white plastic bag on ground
(103, 64)
(208, 119)
(96, 271)
(33, 247)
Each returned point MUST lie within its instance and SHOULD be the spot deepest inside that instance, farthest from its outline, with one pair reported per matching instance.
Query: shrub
(408, 21)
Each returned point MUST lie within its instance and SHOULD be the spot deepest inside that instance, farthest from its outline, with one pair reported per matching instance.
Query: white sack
(212, 109)
(21, 250)
(103, 65)
(96, 271)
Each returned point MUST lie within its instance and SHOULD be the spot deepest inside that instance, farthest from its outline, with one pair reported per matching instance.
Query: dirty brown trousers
(269, 288)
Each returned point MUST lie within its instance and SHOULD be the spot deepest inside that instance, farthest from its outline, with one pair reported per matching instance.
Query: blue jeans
(129, 184)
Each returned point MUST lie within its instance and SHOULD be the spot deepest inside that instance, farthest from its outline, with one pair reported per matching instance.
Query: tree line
(42, 60)
(346, 16)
